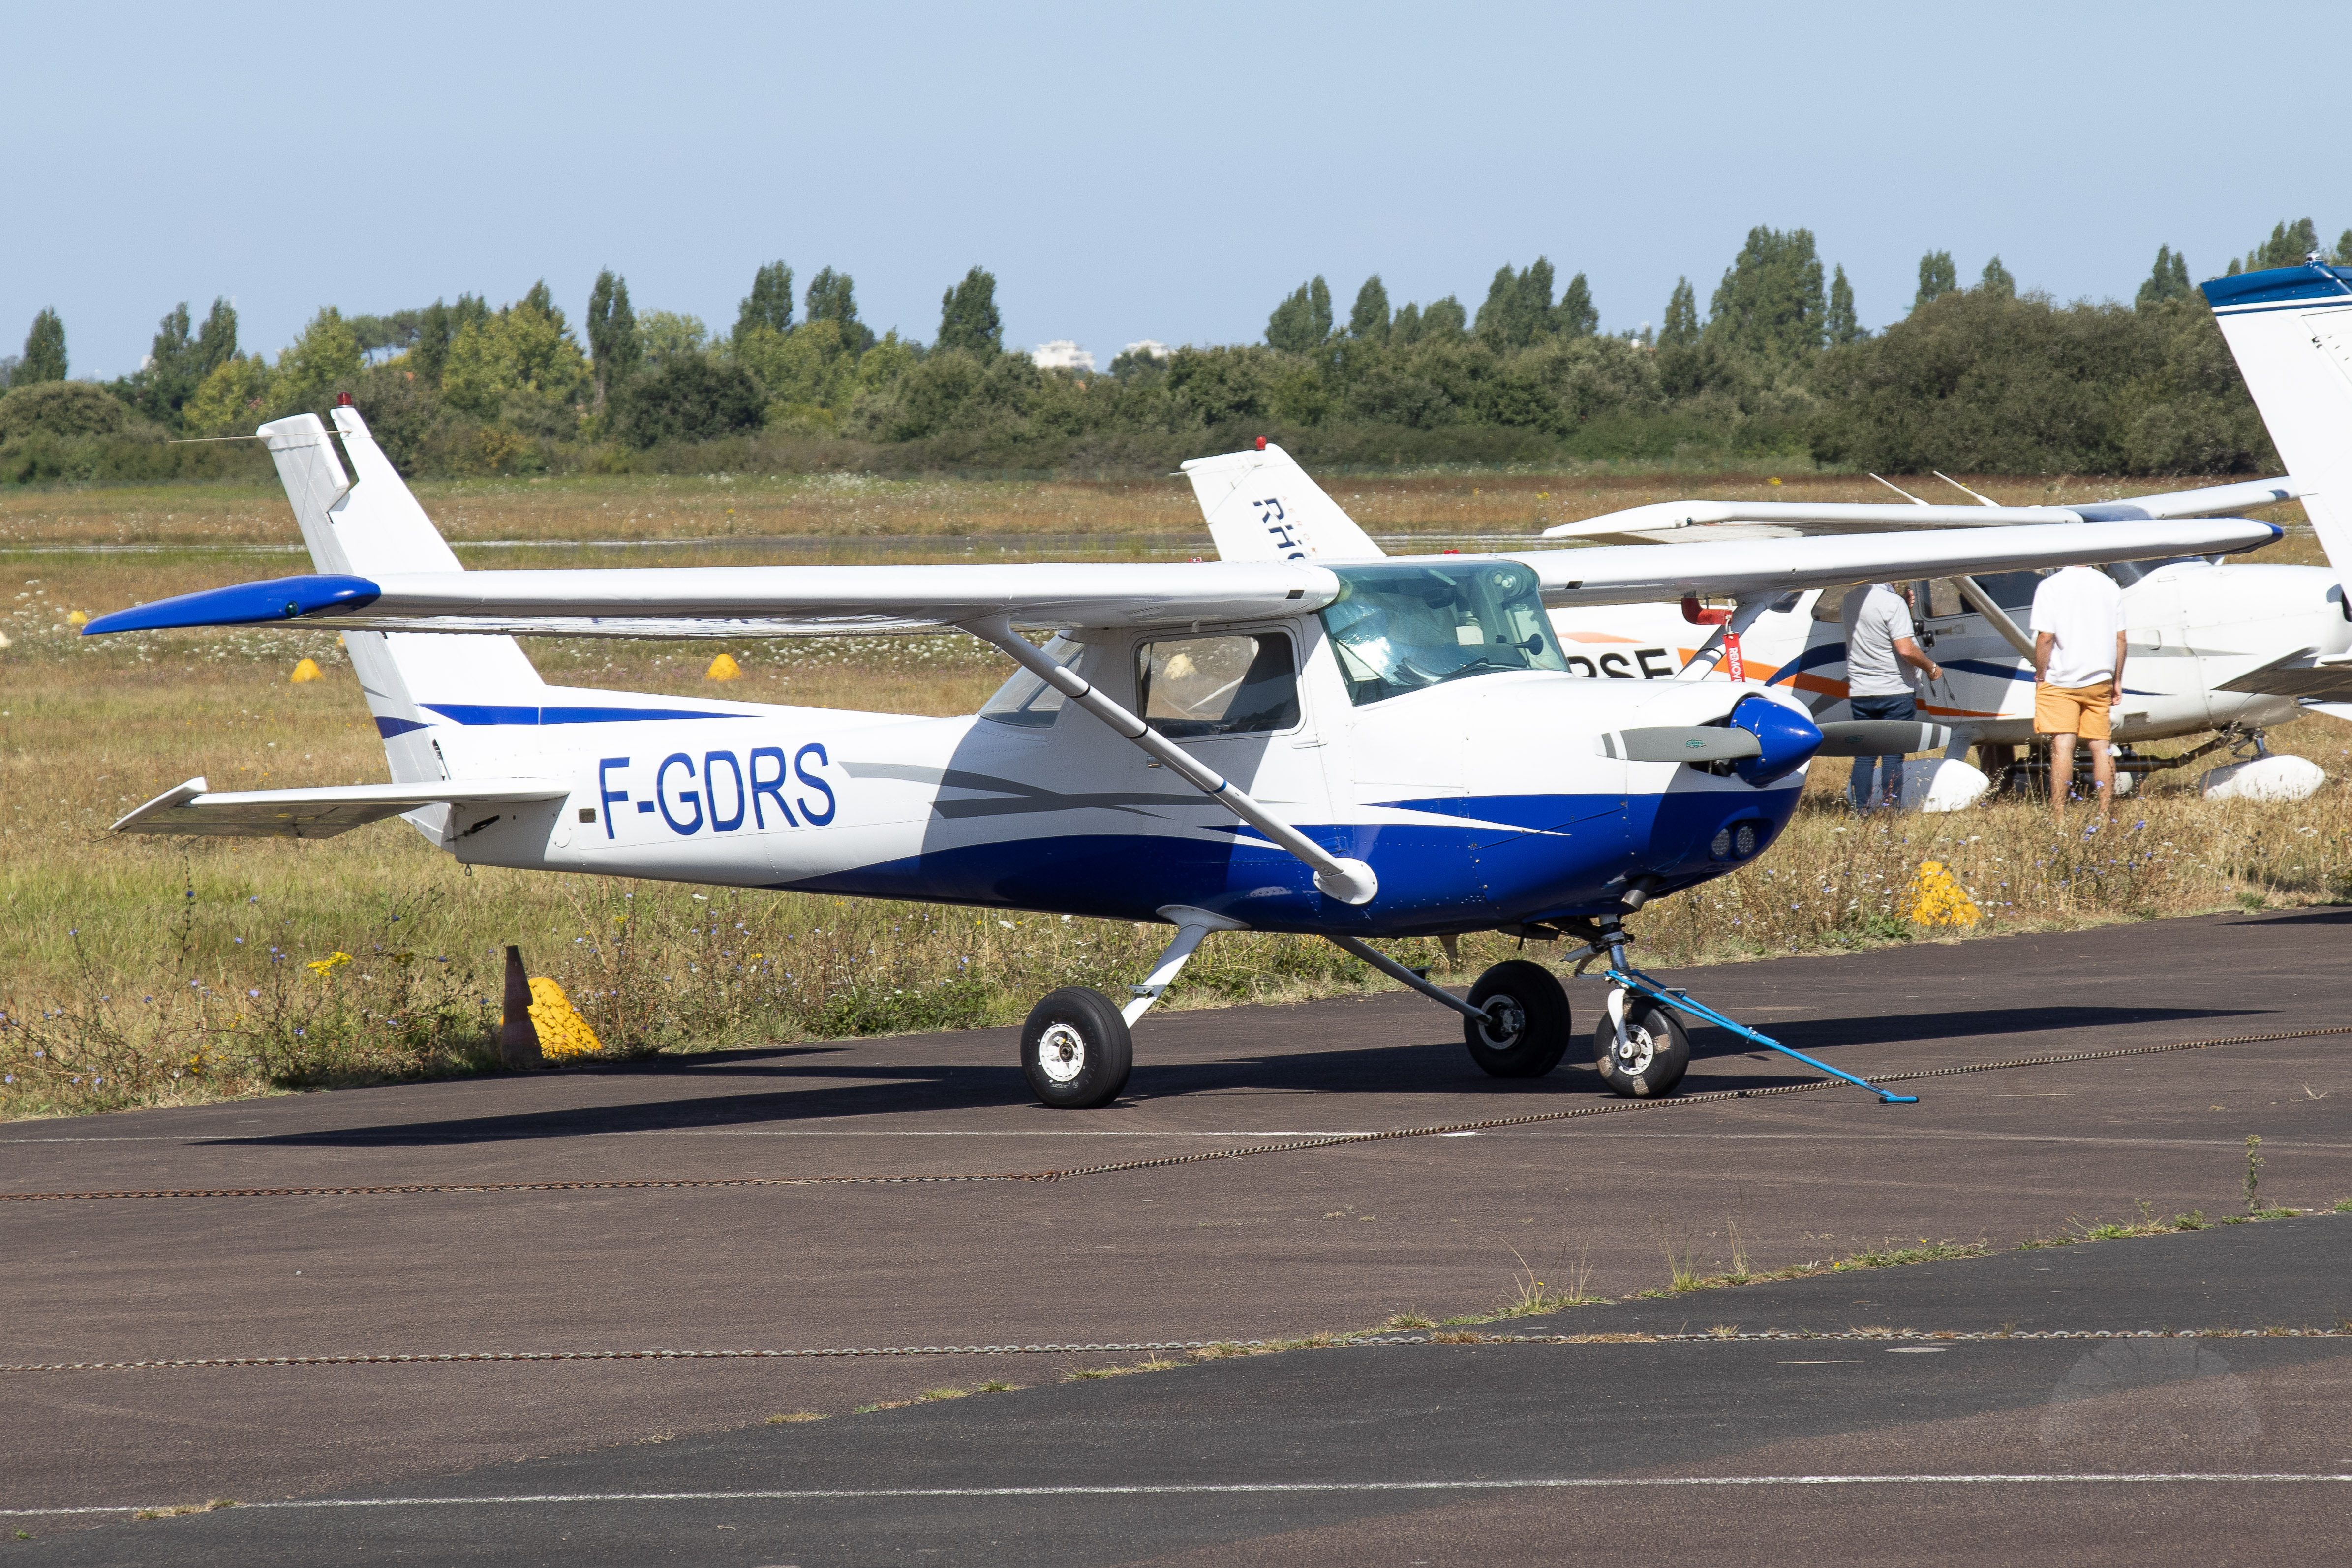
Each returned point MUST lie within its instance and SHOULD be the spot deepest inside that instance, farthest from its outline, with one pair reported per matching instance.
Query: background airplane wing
(1634, 573)
(1717, 522)
(804, 601)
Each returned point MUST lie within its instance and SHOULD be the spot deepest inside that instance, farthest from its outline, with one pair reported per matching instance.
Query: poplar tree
(44, 352)
(1680, 329)
(1576, 316)
(1769, 302)
(2169, 280)
(2289, 243)
(770, 303)
(1302, 322)
(832, 297)
(612, 346)
(1938, 277)
(1518, 305)
(1368, 321)
(969, 319)
(1844, 325)
(1996, 282)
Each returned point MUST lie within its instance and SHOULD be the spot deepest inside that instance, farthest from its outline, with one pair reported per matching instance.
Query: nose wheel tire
(1655, 1056)
(1076, 1049)
(1525, 1030)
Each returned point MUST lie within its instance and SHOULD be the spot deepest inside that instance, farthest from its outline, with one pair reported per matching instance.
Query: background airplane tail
(364, 522)
(2291, 329)
(1261, 506)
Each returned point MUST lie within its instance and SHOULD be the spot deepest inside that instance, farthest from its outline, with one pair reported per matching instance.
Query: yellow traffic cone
(308, 670)
(723, 667)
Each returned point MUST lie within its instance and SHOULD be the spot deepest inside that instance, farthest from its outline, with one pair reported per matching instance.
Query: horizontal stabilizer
(191, 809)
(2298, 674)
(1681, 743)
(1881, 738)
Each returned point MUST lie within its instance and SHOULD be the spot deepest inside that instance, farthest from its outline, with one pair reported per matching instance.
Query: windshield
(1399, 628)
(1026, 701)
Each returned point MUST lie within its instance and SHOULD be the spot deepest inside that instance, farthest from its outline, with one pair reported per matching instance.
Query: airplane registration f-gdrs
(1323, 742)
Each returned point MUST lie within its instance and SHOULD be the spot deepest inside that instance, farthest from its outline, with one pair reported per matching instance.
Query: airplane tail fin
(364, 522)
(2291, 329)
(1261, 506)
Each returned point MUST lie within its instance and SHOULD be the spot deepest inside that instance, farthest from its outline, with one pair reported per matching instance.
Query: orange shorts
(2072, 711)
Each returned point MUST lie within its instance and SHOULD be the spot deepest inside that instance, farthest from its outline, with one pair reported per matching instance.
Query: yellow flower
(325, 967)
(1937, 898)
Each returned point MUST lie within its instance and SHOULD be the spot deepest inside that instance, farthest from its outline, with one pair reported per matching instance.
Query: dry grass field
(136, 971)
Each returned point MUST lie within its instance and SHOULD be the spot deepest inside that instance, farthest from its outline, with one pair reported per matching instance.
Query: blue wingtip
(242, 605)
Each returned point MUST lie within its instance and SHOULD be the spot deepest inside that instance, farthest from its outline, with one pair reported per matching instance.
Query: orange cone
(723, 667)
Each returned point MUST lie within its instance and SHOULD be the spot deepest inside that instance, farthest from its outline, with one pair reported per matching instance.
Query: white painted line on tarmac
(1208, 1489)
(360, 1133)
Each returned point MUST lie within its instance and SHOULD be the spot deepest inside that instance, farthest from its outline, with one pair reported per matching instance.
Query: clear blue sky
(1165, 171)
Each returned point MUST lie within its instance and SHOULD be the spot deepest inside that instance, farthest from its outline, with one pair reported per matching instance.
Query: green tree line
(1775, 368)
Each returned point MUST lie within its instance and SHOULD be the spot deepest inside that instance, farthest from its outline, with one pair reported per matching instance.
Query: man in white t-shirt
(2078, 675)
(1879, 641)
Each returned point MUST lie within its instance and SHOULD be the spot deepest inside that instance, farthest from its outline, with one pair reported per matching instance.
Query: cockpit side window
(1396, 630)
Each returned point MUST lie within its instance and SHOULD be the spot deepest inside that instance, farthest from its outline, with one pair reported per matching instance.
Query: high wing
(1719, 521)
(804, 601)
(194, 808)
(760, 601)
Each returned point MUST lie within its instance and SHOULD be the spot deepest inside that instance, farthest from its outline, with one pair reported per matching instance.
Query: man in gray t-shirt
(1879, 641)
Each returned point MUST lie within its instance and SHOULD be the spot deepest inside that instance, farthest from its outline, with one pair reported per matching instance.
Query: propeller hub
(1788, 739)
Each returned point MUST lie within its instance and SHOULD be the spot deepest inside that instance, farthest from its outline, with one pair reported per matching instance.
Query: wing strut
(1745, 610)
(1995, 617)
(1342, 878)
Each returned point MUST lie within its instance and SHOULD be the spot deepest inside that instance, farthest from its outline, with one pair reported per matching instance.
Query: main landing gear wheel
(1525, 1030)
(1076, 1050)
(1655, 1056)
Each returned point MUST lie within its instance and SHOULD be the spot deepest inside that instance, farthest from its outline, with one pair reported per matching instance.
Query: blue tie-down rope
(1642, 985)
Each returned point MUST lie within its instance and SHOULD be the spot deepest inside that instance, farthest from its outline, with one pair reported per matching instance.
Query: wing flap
(191, 809)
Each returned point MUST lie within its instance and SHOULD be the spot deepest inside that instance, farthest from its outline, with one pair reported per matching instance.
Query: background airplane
(2214, 645)
(1349, 750)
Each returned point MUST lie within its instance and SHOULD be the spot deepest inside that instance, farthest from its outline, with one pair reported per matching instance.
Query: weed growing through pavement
(2253, 1174)
(795, 1418)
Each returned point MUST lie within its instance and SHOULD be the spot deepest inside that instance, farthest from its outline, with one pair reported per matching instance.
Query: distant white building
(1156, 350)
(1062, 354)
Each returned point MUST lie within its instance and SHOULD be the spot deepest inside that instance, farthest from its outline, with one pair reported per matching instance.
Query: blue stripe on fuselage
(1433, 878)
(499, 714)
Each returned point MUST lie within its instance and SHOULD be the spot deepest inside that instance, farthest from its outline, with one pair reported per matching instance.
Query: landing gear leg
(1076, 1049)
(1515, 1023)
(1641, 1047)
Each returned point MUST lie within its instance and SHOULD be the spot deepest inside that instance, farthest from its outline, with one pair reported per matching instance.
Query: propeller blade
(1881, 738)
(1680, 743)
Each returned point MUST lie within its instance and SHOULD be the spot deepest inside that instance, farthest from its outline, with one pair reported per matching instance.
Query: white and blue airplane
(1324, 742)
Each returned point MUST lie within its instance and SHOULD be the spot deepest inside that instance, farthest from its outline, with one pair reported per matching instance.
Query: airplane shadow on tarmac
(985, 1078)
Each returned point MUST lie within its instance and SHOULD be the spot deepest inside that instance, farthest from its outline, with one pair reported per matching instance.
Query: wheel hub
(1635, 1052)
(1062, 1053)
(1505, 1022)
